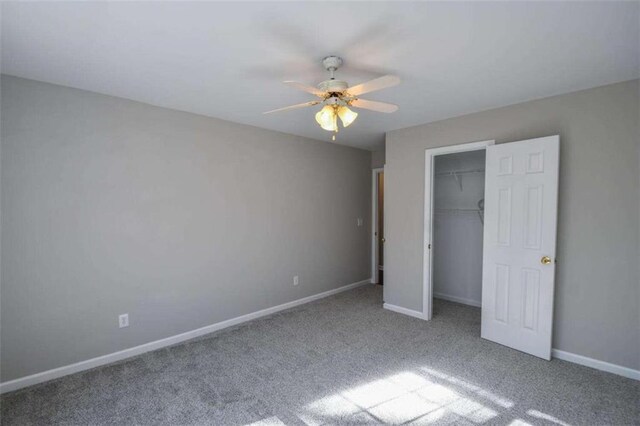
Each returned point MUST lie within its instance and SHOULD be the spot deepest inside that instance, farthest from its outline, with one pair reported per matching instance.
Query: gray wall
(377, 159)
(597, 282)
(112, 206)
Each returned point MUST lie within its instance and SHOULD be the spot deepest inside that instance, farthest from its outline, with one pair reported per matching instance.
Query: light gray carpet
(340, 360)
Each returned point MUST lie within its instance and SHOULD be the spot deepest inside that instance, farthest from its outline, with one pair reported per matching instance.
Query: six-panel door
(521, 193)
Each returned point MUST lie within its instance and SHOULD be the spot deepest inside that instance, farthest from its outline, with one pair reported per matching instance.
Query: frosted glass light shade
(346, 115)
(327, 119)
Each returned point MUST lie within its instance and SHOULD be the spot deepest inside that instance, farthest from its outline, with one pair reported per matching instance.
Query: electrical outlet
(296, 280)
(123, 320)
(360, 221)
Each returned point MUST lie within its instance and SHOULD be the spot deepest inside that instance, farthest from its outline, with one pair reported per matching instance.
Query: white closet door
(521, 197)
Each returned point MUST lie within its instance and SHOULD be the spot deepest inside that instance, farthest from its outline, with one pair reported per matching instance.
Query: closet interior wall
(458, 226)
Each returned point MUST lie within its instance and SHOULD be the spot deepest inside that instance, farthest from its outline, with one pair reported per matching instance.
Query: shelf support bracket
(458, 179)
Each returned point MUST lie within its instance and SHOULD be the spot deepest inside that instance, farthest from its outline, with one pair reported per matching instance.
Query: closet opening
(454, 224)
(457, 223)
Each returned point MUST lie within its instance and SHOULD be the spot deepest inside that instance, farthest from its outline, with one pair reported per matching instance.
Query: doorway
(443, 174)
(458, 220)
(377, 226)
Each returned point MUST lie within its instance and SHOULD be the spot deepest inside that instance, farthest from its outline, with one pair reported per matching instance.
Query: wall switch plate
(360, 221)
(296, 280)
(123, 320)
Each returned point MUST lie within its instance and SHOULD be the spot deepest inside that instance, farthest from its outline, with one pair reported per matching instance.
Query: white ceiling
(226, 60)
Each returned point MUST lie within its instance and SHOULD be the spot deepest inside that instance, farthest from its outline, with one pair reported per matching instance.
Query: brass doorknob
(545, 260)
(383, 239)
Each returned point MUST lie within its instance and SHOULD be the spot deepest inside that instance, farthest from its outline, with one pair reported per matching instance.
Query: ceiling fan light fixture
(337, 96)
(327, 118)
(346, 115)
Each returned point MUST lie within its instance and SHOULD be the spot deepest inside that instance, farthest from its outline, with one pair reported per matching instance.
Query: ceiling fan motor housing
(334, 100)
(333, 86)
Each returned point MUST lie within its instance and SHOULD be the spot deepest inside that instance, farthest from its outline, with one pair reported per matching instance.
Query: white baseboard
(597, 364)
(555, 353)
(405, 311)
(457, 299)
(151, 346)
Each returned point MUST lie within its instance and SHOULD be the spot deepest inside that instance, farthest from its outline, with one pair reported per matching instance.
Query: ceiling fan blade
(374, 106)
(304, 88)
(306, 104)
(373, 85)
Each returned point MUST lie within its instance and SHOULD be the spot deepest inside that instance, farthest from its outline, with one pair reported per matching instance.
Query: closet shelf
(456, 174)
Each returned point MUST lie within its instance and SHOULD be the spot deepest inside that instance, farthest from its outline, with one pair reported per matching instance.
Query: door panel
(521, 191)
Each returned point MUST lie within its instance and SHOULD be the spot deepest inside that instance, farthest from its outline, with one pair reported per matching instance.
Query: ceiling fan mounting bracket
(333, 86)
(332, 63)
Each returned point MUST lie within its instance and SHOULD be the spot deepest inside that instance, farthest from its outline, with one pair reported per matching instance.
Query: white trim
(597, 364)
(404, 311)
(151, 346)
(457, 299)
(374, 223)
(427, 254)
(555, 353)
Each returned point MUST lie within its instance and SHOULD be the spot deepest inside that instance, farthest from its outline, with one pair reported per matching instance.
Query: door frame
(427, 252)
(374, 224)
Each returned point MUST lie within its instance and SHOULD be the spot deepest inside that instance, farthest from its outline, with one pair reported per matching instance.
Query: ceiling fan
(337, 97)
